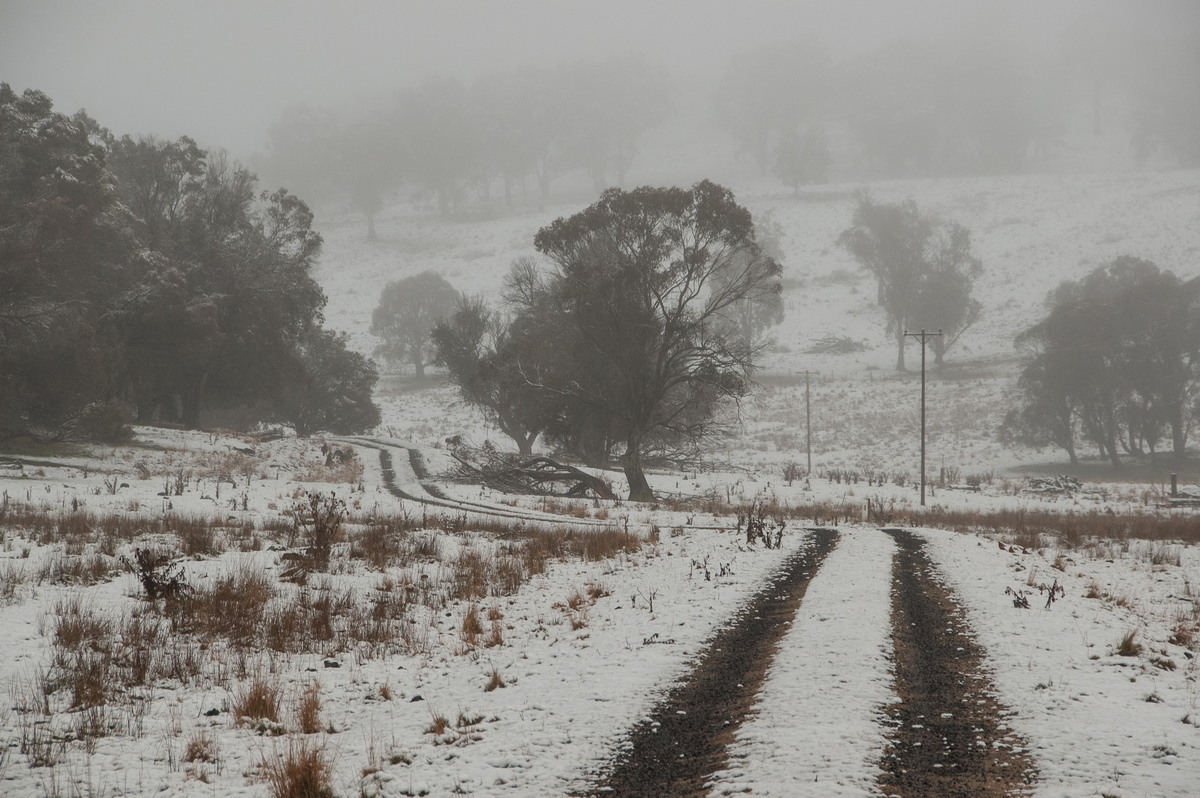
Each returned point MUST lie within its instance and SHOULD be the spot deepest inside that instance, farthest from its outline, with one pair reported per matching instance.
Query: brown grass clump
(472, 625)
(201, 747)
(303, 770)
(438, 724)
(197, 536)
(1129, 647)
(258, 700)
(230, 608)
(308, 709)
(495, 681)
(1182, 635)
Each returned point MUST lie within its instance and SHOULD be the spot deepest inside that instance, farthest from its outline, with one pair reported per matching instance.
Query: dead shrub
(318, 519)
(303, 770)
(159, 574)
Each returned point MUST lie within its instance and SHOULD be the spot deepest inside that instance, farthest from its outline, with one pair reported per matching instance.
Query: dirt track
(947, 737)
(682, 743)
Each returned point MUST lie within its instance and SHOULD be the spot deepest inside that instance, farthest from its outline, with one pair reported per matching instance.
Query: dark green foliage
(1115, 362)
(633, 306)
(407, 311)
(142, 271)
(329, 388)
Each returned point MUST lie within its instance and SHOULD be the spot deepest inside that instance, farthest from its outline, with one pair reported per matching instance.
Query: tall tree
(407, 312)
(924, 270)
(1117, 358)
(633, 304)
(303, 153)
(65, 250)
(483, 357)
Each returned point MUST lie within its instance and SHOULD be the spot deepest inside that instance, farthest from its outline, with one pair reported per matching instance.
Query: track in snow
(677, 749)
(948, 736)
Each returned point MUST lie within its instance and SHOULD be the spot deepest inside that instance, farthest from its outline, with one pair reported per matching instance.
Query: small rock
(332, 663)
(212, 713)
(416, 698)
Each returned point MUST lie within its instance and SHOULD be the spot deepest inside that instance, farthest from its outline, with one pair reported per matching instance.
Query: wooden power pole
(808, 420)
(923, 337)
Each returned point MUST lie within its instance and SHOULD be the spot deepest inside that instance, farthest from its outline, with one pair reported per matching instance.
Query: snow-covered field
(581, 647)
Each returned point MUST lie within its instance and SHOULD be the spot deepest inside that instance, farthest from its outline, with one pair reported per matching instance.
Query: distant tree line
(1115, 364)
(149, 279)
(981, 104)
(512, 131)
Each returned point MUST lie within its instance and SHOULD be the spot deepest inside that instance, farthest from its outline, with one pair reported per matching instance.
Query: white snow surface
(817, 727)
(1097, 723)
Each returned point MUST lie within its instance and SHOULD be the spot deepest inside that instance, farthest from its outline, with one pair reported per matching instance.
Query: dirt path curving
(948, 736)
(677, 749)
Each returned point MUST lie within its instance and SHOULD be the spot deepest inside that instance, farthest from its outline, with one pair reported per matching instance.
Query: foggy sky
(221, 71)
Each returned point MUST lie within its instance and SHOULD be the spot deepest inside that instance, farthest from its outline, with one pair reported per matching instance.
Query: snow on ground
(817, 729)
(1099, 723)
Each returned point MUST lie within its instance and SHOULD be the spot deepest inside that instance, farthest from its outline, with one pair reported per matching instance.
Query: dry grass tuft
(308, 709)
(1129, 647)
(438, 724)
(303, 770)
(258, 700)
(201, 747)
(472, 624)
(495, 681)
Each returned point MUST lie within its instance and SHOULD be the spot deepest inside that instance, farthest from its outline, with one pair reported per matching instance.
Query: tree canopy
(634, 301)
(407, 312)
(1115, 362)
(924, 270)
(144, 272)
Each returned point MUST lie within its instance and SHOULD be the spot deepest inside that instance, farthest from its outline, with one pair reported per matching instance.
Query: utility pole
(808, 419)
(923, 337)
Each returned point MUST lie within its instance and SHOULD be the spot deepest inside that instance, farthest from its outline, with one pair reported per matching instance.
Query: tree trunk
(192, 401)
(419, 365)
(639, 488)
(1178, 435)
(525, 443)
(900, 353)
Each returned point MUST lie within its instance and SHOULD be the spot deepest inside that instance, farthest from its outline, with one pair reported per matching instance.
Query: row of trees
(909, 107)
(646, 323)
(154, 275)
(510, 128)
(1115, 363)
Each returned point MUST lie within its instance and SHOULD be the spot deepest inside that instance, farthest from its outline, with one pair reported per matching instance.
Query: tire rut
(948, 737)
(676, 750)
